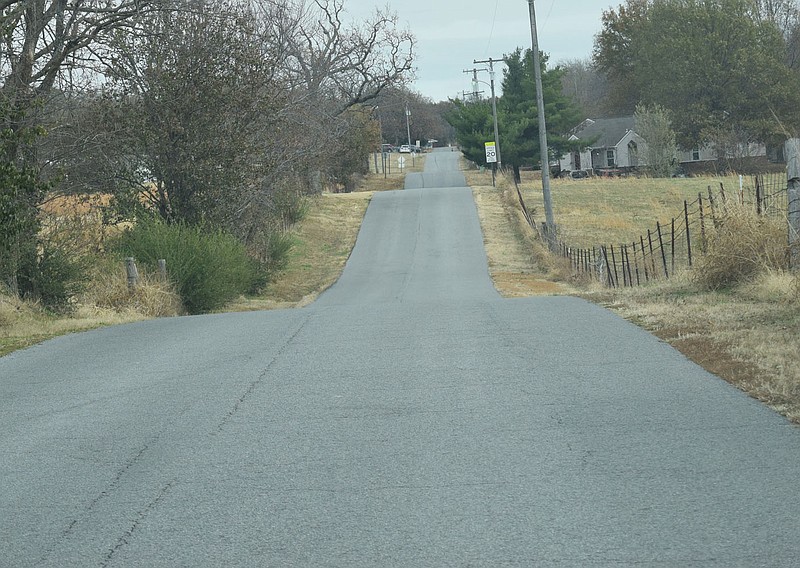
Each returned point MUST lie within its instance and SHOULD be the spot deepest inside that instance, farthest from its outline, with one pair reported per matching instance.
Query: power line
(549, 12)
(491, 31)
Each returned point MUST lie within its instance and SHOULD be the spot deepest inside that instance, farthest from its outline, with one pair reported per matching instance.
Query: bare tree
(201, 111)
(426, 120)
(42, 39)
(325, 57)
(781, 13)
(585, 85)
(331, 66)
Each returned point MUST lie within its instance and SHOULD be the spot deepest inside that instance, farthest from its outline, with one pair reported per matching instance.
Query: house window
(610, 159)
(696, 154)
(576, 158)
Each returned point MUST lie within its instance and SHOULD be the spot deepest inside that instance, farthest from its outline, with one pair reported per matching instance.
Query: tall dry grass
(108, 290)
(741, 247)
(106, 300)
(74, 226)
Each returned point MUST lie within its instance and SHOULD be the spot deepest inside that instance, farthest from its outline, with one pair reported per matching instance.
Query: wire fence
(674, 243)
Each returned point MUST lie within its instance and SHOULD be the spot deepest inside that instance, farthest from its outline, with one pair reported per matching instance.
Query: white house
(615, 145)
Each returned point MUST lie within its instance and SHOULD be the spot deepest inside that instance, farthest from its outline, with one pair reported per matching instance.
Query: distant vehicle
(405, 149)
(388, 148)
(579, 174)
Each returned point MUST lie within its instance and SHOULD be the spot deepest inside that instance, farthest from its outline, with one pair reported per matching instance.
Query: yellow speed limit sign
(491, 153)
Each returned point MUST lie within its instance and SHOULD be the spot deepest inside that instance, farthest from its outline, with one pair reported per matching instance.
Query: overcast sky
(453, 33)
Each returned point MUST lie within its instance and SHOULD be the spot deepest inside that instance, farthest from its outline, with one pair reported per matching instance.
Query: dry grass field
(603, 210)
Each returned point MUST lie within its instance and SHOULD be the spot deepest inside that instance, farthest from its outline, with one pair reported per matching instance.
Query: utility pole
(491, 62)
(384, 157)
(475, 92)
(408, 125)
(550, 232)
(408, 132)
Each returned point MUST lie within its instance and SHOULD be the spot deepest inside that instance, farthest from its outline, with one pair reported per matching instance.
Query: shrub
(272, 248)
(743, 246)
(208, 267)
(291, 207)
(6, 308)
(50, 277)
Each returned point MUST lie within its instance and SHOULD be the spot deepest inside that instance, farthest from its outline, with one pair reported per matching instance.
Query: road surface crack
(108, 491)
(140, 517)
(263, 375)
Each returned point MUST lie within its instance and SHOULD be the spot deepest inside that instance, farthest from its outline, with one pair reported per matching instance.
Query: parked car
(387, 148)
(405, 149)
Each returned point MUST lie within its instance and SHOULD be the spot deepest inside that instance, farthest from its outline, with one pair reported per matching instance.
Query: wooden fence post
(133, 274)
(162, 269)
(636, 265)
(614, 262)
(608, 268)
(759, 193)
(672, 246)
(688, 236)
(713, 209)
(792, 152)
(628, 263)
(703, 238)
(644, 259)
(663, 252)
(652, 253)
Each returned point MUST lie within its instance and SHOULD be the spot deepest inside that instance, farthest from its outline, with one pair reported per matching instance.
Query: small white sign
(491, 153)
(401, 162)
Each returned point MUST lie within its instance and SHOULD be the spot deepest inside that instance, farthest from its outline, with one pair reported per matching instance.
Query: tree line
(219, 114)
(714, 73)
(726, 70)
(517, 116)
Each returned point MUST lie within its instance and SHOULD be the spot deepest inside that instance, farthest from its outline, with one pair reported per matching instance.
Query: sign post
(491, 157)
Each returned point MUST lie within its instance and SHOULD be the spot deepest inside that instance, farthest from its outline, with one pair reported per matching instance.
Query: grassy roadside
(23, 324)
(324, 239)
(322, 242)
(321, 245)
(749, 335)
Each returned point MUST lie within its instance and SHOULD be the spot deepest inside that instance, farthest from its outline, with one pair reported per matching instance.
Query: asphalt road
(409, 417)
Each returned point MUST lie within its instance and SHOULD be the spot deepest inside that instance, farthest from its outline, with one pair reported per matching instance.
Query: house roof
(608, 131)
